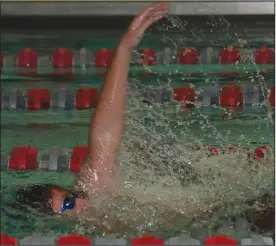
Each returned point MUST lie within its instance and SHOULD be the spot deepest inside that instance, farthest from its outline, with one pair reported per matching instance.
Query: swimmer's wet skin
(98, 169)
(105, 132)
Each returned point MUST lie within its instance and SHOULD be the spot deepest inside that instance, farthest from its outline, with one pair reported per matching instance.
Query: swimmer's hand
(141, 22)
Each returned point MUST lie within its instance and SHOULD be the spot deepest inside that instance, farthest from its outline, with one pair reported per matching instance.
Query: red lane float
(38, 98)
(103, 57)
(86, 98)
(27, 61)
(7, 240)
(260, 152)
(188, 56)
(220, 240)
(26, 158)
(272, 97)
(230, 56)
(27, 58)
(77, 158)
(23, 158)
(264, 56)
(186, 96)
(148, 57)
(62, 58)
(74, 239)
(147, 240)
(231, 96)
(239, 148)
(212, 150)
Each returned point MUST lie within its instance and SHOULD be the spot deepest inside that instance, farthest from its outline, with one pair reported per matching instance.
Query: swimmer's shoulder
(91, 180)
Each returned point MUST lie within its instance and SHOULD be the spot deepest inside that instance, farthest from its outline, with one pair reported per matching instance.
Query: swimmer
(97, 173)
(97, 170)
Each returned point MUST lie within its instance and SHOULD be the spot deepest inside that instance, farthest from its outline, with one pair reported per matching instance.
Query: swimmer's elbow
(102, 152)
(104, 141)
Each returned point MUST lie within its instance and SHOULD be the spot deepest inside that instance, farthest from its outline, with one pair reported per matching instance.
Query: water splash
(168, 188)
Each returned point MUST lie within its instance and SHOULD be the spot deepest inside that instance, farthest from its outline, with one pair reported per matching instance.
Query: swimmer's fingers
(151, 12)
(142, 15)
(136, 31)
(152, 17)
(141, 30)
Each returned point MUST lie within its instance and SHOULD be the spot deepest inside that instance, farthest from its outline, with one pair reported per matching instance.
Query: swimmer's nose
(80, 204)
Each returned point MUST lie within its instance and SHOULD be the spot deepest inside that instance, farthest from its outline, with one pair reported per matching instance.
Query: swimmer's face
(50, 198)
(59, 195)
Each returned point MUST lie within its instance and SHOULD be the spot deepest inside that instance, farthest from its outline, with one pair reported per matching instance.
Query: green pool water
(47, 128)
(70, 128)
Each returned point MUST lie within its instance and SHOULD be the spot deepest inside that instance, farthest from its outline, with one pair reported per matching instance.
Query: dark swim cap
(36, 196)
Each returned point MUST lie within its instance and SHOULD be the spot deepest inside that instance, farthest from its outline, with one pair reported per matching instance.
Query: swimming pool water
(44, 129)
(58, 127)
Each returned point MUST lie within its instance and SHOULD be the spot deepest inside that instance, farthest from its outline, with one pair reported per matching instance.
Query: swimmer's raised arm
(108, 120)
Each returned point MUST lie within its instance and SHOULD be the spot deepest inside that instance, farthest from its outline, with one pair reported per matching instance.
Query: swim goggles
(68, 204)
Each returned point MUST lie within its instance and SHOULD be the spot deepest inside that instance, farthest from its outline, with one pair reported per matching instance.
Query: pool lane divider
(147, 239)
(65, 62)
(57, 159)
(87, 97)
